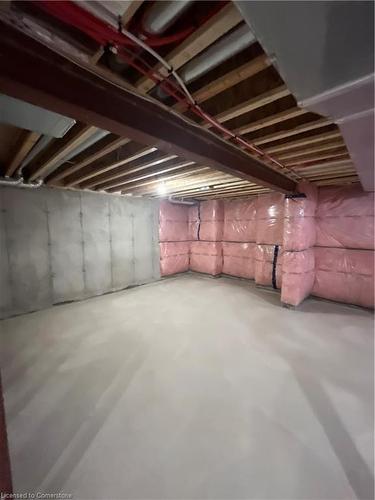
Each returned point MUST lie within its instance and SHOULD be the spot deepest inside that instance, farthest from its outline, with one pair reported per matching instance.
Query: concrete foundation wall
(57, 246)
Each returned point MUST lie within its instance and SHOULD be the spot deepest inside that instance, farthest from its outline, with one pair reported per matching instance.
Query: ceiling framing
(245, 93)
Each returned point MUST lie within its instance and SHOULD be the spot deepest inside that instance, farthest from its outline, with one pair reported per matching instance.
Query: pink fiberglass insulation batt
(240, 220)
(239, 259)
(173, 222)
(264, 265)
(270, 219)
(345, 275)
(174, 257)
(345, 218)
(193, 221)
(299, 219)
(298, 274)
(206, 257)
(211, 220)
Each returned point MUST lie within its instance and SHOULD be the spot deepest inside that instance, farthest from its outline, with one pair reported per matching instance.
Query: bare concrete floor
(191, 388)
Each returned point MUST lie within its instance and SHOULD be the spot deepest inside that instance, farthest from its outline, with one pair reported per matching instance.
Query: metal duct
(163, 14)
(39, 146)
(99, 134)
(19, 182)
(9, 181)
(324, 51)
(23, 115)
(177, 201)
(227, 47)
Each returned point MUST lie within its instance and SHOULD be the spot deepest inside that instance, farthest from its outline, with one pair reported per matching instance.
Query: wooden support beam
(323, 122)
(24, 145)
(251, 104)
(123, 173)
(303, 142)
(107, 168)
(227, 18)
(75, 139)
(228, 80)
(112, 146)
(313, 150)
(270, 120)
(76, 91)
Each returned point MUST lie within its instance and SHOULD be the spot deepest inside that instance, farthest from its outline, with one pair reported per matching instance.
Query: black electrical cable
(274, 264)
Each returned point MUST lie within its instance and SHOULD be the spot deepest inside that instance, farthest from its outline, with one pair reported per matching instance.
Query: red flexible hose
(72, 14)
(174, 91)
(102, 33)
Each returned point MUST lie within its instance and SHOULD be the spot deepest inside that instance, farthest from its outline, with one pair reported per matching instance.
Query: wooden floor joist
(126, 188)
(122, 174)
(224, 183)
(312, 150)
(188, 160)
(111, 166)
(270, 120)
(217, 190)
(308, 159)
(24, 145)
(73, 140)
(351, 179)
(227, 18)
(193, 179)
(233, 194)
(322, 122)
(112, 146)
(228, 80)
(303, 142)
(155, 173)
(78, 92)
(325, 166)
(131, 8)
(251, 104)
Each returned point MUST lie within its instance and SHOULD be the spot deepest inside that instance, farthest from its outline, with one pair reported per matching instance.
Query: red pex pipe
(174, 91)
(72, 14)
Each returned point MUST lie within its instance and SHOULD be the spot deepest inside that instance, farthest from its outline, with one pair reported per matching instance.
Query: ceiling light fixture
(162, 188)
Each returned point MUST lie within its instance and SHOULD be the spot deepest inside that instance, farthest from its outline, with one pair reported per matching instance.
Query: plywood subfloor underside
(191, 388)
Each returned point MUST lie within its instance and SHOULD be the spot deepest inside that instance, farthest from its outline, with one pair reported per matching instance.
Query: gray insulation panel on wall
(96, 237)
(66, 245)
(57, 246)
